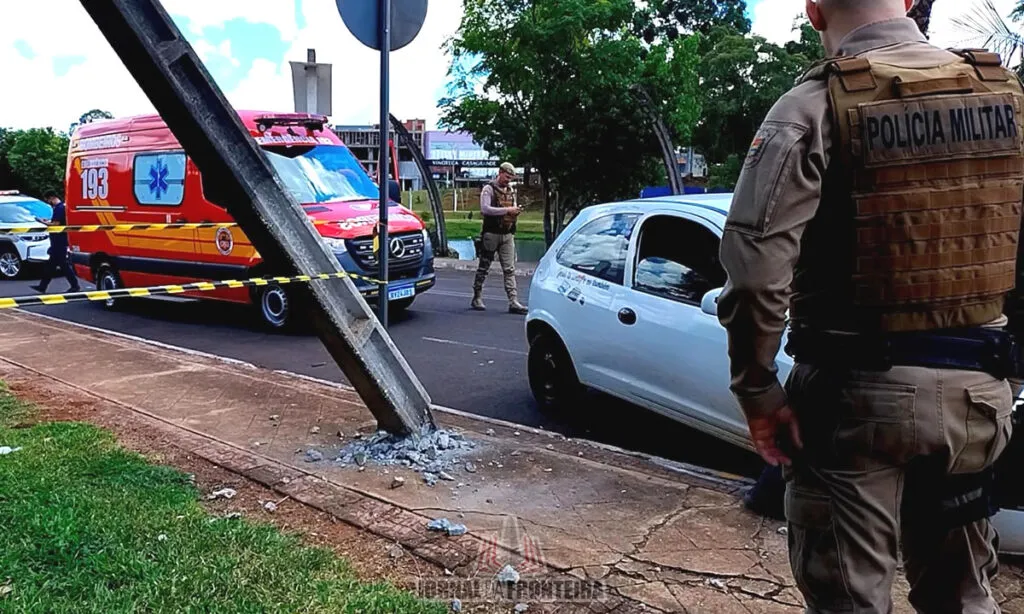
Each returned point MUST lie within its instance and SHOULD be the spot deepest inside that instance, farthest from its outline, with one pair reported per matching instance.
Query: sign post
(383, 165)
(390, 25)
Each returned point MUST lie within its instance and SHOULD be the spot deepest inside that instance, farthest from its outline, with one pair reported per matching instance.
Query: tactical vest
(921, 208)
(500, 224)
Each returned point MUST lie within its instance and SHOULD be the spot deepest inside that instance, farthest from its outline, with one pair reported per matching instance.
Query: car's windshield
(11, 213)
(321, 173)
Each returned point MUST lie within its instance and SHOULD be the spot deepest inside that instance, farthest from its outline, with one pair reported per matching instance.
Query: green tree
(671, 18)
(742, 76)
(726, 174)
(93, 115)
(36, 158)
(552, 84)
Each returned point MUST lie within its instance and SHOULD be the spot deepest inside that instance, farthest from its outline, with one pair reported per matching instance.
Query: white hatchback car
(625, 302)
(15, 250)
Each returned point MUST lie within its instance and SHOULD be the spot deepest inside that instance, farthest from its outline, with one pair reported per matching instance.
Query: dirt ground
(371, 557)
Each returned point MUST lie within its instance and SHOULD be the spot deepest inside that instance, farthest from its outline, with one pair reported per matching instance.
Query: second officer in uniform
(880, 203)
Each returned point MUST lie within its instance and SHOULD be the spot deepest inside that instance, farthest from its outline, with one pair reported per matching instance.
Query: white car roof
(716, 204)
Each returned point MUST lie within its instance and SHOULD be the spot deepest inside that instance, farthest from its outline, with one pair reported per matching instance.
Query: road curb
(451, 264)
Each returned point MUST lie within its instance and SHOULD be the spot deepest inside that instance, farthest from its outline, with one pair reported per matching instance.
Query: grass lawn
(90, 527)
(461, 228)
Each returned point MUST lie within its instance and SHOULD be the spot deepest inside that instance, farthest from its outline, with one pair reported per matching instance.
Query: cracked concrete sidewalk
(651, 535)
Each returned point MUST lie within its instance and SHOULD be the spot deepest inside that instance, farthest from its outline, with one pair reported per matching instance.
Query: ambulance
(134, 171)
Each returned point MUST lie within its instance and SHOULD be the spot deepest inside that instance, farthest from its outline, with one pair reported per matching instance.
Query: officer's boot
(478, 300)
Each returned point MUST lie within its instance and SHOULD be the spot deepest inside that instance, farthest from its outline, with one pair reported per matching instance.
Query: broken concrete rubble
(434, 454)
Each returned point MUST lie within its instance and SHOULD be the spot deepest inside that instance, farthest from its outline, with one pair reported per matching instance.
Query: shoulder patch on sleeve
(764, 136)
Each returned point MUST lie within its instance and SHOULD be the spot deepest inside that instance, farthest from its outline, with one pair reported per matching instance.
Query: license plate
(400, 293)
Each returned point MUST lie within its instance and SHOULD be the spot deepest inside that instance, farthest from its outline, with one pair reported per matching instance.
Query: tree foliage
(93, 115)
(552, 84)
(33, 161)
(742, 76)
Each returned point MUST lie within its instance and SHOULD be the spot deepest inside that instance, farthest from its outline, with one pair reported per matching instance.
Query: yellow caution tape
(21, 230)
(199, 286)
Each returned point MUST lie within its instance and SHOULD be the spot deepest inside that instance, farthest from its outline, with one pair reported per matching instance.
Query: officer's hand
(765, 430)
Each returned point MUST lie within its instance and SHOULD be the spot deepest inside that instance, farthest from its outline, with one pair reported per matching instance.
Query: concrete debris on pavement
(520, 608)
(270, 506)
(314, 456)
(275, 418)
(443, 524)
(434, 454)
(315, 430)
(397, 482)
(5, 450)
(508, 575)
(223, 493)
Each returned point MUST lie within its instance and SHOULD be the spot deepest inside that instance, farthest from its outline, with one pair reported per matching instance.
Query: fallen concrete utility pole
(237, 176)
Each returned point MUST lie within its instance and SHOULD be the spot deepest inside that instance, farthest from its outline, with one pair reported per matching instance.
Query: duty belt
(991, 350)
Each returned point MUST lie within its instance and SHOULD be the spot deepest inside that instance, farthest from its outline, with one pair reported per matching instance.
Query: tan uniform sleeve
(777, 195)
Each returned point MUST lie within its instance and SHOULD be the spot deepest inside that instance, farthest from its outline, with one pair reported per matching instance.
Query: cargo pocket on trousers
(814, 550)
(987, 428)
(876, 425)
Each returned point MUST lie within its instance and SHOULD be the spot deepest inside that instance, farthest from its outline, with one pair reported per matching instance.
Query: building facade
(364, 142)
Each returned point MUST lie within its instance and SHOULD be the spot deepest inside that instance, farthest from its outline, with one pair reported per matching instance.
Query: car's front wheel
(10, 263)
(552, 375)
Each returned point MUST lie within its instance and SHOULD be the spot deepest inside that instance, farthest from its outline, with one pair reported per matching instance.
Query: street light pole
(383, 161)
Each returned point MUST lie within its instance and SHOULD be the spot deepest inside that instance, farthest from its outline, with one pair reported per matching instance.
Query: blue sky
(63, 66)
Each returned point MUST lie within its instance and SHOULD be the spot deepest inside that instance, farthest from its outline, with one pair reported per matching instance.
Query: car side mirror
(709, 304)
(394, 191)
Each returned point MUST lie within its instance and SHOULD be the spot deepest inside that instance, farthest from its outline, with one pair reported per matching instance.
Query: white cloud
(774, 20)
(55, 28)
(417, 71)
(945, 33)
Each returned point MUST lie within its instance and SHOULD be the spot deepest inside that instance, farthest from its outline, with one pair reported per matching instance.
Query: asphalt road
(468, 360)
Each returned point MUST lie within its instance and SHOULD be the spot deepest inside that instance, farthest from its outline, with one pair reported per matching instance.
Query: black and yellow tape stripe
(20, 230)
(199, 286)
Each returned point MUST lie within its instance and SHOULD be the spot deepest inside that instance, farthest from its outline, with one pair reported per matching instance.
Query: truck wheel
(274, 306)
(552, 375)
(107, 279)
(10, 263)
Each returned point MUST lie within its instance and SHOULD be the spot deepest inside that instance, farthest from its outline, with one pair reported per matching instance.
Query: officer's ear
(909, 4)
(815, 16)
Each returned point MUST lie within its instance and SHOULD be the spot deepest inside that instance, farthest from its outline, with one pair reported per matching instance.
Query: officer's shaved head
(834, 19)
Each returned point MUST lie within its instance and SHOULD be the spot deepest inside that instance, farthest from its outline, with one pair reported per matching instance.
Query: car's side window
(677, 259)
(159, 178)
(600, 247)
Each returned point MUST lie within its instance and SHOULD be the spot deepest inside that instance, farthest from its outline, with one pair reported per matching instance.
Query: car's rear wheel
(553, 378)
(274, 307)
(10, 263)
(107, 279)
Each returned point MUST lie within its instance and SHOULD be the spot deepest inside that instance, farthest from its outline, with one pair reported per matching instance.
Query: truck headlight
(336, 245)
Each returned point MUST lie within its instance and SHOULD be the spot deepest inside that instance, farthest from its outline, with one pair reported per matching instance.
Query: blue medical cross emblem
(158, 179)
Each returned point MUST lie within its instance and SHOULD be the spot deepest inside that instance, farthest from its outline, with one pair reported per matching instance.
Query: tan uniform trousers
(850, 499)
(504, 245)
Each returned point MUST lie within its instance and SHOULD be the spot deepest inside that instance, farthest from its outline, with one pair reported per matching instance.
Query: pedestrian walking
(498, 236)
(58, 252)
(880, 203)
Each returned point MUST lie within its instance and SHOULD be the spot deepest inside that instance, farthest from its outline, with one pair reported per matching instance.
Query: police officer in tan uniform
(880, 203)
(498, 237)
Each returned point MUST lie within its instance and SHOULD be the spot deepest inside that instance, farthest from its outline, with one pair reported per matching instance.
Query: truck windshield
(321, 173)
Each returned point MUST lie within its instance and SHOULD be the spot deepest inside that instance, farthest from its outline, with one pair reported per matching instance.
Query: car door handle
(627, 316)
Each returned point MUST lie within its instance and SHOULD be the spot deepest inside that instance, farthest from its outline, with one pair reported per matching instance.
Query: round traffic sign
(362, 18)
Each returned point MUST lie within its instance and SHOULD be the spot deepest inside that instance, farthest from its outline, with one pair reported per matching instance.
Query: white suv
(15, 250)
(625, 302)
